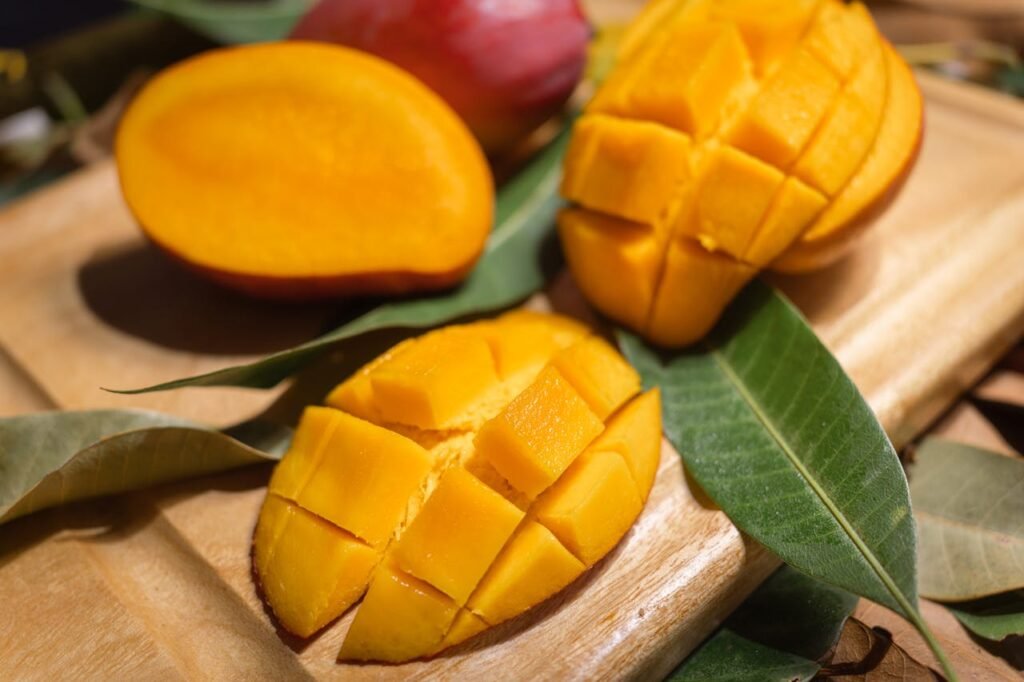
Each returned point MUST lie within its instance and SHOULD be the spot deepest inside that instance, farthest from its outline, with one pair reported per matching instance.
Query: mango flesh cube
(654, 16)
(312, 435)
(400, 618)
(457, 534)
(525, 339)
(735, 193)
(592, 505)
(769, 27)
(841, 37)
(532, 567)
(795, 207)
(893, 151)
(629, 169)
(466, 625)
(434, 382)
(684, 81)
(635, 433)
(614, 262)
(839, 147)
(309, 570)
(355, 394)
(539, 433)
(599, 374)
(694, 289)
(787, 111)
(362, 479)
(828, 39)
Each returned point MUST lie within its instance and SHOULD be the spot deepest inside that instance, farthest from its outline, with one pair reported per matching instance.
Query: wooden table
(157, 584)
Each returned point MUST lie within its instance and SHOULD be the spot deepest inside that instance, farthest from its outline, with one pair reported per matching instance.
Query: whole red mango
(505, 66)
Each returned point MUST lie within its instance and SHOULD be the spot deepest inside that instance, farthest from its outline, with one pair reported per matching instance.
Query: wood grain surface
(157, 584)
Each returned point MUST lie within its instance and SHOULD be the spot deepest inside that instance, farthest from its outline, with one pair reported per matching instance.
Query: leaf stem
(947, 667)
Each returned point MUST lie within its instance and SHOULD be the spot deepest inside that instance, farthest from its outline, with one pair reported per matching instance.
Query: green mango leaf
(969, 505)
(728, 657)
(511, 269)
(231, 22)
(994, 618)
(53, 458)
(775, 432)
(780, 633)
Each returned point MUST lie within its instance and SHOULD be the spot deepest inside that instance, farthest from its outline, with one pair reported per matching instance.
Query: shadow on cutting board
(140, 292)
(826, 294)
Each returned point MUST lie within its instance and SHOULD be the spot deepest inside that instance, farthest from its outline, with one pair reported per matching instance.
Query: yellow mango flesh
(887, 163)
(592, 506)
(298, 552)
(697, 70)
(538, 466)
(597, 244)
(533, 566)
(431, 383)
(628, 168)
(541, 431)
(599, 374)
(628, 433)
(457, 534)
(400, 618)
(722, 139)
(358, 476)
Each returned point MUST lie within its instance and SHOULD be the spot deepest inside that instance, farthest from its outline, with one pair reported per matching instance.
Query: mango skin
(504, 66)
(732, 136)
(456, 503)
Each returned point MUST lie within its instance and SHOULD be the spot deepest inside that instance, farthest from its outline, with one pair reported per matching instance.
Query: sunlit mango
(730, 136)
(457, 480)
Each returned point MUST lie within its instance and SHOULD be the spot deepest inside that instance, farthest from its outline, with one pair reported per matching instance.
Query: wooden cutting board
(157, 584)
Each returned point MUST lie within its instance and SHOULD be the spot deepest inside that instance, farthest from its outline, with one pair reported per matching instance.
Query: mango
(456, 481)
(505, 67)
(276, 169)
(731, 136)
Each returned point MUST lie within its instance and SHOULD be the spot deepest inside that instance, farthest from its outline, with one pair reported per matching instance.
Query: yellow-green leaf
(52, 458)
(969, 505)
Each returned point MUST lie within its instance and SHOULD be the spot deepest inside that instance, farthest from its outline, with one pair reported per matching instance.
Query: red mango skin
(505, 66)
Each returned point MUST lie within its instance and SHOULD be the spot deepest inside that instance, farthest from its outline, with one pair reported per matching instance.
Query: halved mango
(273, 169)
(775, 129)
(457, 528)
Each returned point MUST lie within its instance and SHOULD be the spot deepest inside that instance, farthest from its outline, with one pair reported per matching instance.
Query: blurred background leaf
(233, 21)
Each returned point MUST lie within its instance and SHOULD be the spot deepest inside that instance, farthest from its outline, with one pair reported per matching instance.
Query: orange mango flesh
(730, 134)
(462, 500)
(274, 168)
(887, 164)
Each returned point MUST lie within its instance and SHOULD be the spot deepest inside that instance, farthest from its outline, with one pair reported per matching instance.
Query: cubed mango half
(774, 109)
(450, 530)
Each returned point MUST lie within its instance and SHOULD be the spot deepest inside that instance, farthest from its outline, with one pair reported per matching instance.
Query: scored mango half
(457, 480)
(731, 136)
